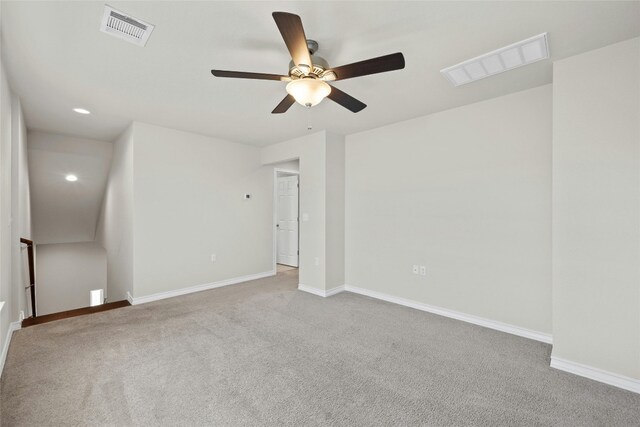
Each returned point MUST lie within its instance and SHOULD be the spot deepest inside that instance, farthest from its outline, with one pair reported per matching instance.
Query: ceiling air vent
(504, 59)
(121, 25)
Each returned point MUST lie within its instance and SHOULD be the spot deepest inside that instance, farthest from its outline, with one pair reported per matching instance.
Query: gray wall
(15, 212)
(292, 165)
(189, 204)
(6, 294)
(20, 211)
(596, 208)
(66, 273)
(66, 212)
(335, 200)
(311, 152)
(465, 192)
(321, 158)
(115, 224)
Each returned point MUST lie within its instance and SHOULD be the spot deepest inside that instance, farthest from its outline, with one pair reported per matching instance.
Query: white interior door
(287, 224)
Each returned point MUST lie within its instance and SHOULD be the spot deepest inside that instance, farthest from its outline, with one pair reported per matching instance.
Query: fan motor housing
(320, 65)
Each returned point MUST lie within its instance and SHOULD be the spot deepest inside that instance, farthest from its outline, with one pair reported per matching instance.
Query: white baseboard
(480, 321)
(129, 298)
(311, 290)
(13, 326)
(596, 374)
(334, 291)
(320, 292)
(198, 288)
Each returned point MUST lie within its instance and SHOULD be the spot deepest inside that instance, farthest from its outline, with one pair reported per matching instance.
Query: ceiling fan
(309, 73)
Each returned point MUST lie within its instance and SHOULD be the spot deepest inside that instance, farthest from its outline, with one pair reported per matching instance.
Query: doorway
(286, 218)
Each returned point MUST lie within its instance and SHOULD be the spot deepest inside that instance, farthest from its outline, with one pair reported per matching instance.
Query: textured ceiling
(58, 59)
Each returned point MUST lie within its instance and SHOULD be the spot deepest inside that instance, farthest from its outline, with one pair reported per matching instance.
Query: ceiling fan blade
(244, 75)
(292, 32)
(381, 64)
(346, 100)
(284, 105)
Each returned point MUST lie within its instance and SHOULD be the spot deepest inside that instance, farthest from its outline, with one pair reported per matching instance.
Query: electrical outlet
(423, 270)
(416, 269)
(214, 258)
(317, 261)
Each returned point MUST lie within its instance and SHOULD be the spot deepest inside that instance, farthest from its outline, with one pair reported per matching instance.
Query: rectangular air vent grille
(126, 27)
(504, 59)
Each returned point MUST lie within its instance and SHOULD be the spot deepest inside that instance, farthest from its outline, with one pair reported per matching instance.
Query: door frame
(276, 171)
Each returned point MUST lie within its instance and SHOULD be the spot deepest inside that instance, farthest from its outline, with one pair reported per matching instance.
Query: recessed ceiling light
(504, 59)
(71, 178)
(81, 111)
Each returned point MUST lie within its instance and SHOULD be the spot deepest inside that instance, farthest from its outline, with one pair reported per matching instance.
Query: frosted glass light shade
(308, 92)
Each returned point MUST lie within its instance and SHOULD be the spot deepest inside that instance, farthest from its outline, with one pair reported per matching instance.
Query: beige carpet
(281, 268)
(263, 353)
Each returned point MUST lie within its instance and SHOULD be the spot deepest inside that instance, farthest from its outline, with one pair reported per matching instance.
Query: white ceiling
(62, 211)
(58, 59)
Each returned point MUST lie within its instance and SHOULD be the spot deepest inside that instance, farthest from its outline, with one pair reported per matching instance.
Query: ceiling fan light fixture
(309, 73)
(328, 76)
(309, 91)
(304, 69)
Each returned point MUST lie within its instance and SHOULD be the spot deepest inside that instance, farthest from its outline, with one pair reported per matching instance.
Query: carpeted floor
(281, 268)
(264, 353)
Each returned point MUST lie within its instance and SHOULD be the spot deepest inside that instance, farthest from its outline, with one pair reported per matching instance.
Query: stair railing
(32, 281)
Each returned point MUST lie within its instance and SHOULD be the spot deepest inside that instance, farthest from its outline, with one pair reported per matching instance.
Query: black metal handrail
(32, 281)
